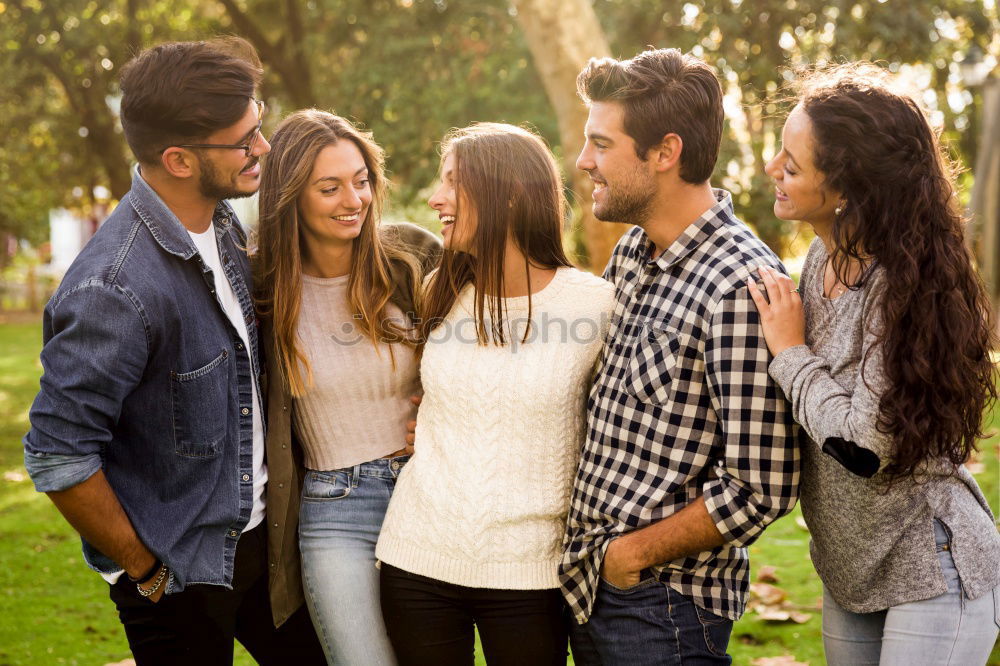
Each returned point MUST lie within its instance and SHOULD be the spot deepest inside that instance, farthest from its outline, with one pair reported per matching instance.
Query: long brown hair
(508, 181)
(877, 148)
(277, 256)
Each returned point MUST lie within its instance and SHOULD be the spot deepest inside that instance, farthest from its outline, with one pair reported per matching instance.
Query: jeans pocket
(716, 629)
(642, 584)
(324, 486)
(199, 401)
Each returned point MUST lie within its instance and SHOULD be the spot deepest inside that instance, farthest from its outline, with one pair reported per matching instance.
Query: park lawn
(53, 610)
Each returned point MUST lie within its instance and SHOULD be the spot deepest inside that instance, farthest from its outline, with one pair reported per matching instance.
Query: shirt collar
(692, 236)
(165, 227)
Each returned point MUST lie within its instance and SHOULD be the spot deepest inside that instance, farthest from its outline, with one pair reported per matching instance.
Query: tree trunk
(286, 60)
(562, 35)
(985, 236)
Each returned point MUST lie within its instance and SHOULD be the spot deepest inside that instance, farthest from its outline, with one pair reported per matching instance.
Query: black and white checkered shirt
(682, 407)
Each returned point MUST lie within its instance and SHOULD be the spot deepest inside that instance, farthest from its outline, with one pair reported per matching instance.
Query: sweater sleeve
(843, 421)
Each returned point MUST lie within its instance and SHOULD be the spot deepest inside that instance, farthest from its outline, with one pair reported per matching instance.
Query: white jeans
(947, 630)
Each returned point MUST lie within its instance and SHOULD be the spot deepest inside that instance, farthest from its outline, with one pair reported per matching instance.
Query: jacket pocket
(200, 400)
(652, 366)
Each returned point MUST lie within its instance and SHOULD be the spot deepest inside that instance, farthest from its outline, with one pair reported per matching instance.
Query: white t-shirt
(209, 251)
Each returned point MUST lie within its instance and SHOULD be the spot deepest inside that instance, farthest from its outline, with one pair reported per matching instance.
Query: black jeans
(432, 622)
(197, 626)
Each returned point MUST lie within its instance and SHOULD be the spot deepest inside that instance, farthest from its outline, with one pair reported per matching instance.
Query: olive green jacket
(285, 469)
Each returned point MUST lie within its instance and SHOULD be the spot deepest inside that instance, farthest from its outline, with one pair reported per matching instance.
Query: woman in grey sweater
(884, 352)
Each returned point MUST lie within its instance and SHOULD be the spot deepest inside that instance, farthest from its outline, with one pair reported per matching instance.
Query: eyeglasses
(246, 147)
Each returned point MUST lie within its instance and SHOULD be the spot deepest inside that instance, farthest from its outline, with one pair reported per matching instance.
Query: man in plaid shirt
(691, 447)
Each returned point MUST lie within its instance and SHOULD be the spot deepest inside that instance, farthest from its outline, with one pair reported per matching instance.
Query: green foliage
(411, 69)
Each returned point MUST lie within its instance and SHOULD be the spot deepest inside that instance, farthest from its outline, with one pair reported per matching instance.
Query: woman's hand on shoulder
(781, 315)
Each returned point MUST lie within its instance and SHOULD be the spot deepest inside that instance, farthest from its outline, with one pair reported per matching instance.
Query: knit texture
(483, 501)
(357, 408)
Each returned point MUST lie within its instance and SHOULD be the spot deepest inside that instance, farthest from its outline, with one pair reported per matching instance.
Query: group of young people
(225, 419)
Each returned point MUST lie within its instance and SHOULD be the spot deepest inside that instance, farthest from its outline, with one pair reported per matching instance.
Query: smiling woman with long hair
(337, 294)
(884, 352)
(473, 535)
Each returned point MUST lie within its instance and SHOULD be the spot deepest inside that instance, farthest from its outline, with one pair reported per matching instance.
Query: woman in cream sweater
(474, 531)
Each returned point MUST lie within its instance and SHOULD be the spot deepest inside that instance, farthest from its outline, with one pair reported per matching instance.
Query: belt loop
(355, 475)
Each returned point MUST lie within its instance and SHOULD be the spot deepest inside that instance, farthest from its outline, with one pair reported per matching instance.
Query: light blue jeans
(339, 522)
(947, 630)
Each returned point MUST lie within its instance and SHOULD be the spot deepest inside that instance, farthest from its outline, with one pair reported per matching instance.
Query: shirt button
(273, 565)
(276, 524)
(281, 485)
(284, 446)
(244, 411)
(233, 533)
(246, 477)
(239, 345)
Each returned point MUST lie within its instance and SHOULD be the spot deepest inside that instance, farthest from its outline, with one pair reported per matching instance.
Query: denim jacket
(146, 378)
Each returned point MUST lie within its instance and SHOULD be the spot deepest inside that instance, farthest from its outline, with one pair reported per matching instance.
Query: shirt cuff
(52, 472)
(730, 510)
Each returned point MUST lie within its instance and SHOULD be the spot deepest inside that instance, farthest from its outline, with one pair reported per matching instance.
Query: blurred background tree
(411, 69)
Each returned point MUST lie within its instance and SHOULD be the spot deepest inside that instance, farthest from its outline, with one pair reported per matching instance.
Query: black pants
(432, 622)
(197, 626)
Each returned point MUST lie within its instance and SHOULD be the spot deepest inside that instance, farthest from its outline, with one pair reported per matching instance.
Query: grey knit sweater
(872, 544)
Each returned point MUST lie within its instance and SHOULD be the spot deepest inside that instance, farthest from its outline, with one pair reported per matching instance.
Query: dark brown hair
(508, 181)
(663, 91)
(181, 92)
(877, 148)
(295, 145)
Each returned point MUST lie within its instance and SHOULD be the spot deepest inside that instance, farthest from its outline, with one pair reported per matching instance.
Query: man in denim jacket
(148, 430)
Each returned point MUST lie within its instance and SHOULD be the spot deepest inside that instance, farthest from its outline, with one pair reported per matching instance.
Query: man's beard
(629, 203)
(212, 185)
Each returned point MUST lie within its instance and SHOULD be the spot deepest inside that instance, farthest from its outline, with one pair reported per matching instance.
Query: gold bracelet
(156, 584)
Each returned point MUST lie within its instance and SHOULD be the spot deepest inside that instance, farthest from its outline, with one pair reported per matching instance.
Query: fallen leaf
(126, 662)
(773, 614)
(14, 476)
(784, 660)
(801, 522)
(767, 593)
(798, 617)
(767, 574)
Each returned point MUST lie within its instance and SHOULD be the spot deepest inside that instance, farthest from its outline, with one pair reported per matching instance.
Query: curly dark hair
(877, 148)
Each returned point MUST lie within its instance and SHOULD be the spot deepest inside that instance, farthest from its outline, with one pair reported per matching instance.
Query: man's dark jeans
(197, 626)
(649, 623)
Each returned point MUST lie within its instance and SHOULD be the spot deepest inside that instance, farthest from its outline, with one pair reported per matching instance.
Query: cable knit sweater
(483, 501)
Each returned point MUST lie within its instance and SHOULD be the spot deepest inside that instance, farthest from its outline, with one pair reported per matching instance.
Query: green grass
(53, 610)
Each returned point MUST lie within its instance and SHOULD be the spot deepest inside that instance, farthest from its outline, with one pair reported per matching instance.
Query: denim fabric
(146, 378)
(339, 521)
(649, 623)
(947, 630)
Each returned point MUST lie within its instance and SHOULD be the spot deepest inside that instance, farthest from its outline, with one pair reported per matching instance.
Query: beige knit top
(357, 408)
